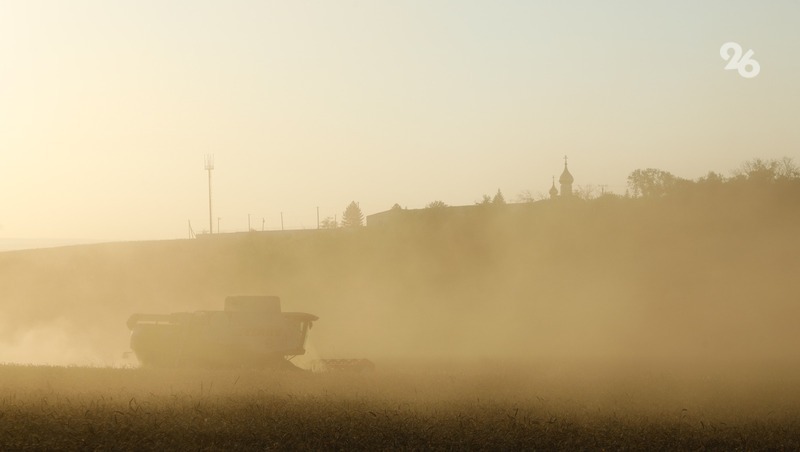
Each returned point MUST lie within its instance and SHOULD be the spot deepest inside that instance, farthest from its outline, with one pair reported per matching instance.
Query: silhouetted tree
(525, 196)
(585, 192)
(762, 171)
(651, 182)
(436, 205)
(486, 200)
(328, 223)
(396, 207)
(352, 216)
(711, 178)
(499, 198)
(788, 169)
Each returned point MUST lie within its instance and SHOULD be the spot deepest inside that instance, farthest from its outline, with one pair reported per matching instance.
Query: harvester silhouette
(251, 331)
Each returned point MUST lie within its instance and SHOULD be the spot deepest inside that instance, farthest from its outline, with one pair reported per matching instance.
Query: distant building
(566, 180)
(553, 190)
(398, 215)
(459, 213)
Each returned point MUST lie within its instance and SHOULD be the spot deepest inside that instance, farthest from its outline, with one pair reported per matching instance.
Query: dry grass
(447, 407)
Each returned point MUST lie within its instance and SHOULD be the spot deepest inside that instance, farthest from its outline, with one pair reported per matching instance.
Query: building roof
(566, 177)
(553, 189)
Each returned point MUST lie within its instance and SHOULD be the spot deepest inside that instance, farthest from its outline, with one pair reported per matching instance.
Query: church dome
(566, 177)
(553, 189)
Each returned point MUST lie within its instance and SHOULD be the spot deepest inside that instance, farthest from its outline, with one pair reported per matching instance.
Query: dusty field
(400, 406)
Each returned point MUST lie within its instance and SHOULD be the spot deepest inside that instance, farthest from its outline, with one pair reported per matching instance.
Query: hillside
(697, 278)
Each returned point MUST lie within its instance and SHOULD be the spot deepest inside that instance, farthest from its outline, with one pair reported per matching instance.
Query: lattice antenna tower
(209, 168)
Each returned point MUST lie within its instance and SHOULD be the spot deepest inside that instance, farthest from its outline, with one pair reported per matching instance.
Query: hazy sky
(107, 108)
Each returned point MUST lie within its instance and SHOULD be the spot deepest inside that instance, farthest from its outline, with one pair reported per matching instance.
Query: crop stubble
(467, 407)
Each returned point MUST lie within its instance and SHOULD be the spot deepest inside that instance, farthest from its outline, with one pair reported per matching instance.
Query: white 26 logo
(739, 62)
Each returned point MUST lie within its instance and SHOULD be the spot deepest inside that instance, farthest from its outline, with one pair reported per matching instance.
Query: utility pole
(218, 218)
(281, 221)
(317, 217)
(248, 223)
(209, 168)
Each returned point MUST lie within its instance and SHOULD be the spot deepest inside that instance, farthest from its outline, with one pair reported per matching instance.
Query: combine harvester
(251, 331)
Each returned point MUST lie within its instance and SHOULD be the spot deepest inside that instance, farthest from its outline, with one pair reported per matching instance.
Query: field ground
(400, 406)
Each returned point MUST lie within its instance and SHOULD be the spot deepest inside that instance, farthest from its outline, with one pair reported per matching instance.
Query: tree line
(648, 183)
(753, 174)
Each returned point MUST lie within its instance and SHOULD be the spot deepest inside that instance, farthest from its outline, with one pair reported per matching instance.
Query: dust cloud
(705, 283)
(52, 343)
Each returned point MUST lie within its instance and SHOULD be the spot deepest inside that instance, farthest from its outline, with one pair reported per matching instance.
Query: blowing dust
(661, 283)
(54, 343)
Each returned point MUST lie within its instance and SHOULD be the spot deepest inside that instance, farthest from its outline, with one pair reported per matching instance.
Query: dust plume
(51, 343)
(705, 274)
